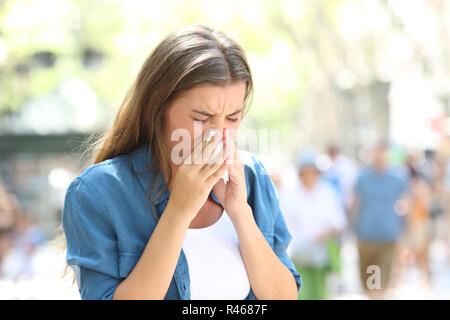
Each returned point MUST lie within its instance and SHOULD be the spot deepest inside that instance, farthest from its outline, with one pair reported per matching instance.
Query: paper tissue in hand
(219, 149)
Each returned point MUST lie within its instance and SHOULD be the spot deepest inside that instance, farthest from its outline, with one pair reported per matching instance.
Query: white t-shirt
(216, 269)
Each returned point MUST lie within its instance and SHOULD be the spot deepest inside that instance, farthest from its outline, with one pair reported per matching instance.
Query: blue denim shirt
(108, 219)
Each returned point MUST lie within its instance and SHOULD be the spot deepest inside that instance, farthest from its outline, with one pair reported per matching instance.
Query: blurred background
(359, 91)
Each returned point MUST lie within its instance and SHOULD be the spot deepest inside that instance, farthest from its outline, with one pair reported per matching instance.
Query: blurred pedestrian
(342, 173)
(314, 216)
(9, 208)
(19, 237)
(380, 209)
(6, 244)
(418, 227)
(9, 212)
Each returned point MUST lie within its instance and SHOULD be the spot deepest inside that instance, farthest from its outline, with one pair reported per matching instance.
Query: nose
(218, 123)
(216, 132)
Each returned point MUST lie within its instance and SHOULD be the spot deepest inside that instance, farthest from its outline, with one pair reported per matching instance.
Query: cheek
(233, 125)
(179, 120)
(232, 128)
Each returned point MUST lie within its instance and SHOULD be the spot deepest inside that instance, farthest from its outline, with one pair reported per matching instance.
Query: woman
(315, 216)
(119, 249)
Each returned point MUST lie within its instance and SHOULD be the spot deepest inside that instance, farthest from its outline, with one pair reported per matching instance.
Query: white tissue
(219, 149)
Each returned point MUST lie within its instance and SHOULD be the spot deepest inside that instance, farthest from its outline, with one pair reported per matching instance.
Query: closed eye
(201, 120)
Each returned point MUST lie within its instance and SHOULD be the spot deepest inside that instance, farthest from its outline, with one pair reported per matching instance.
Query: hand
(233, 194)
(194, 180)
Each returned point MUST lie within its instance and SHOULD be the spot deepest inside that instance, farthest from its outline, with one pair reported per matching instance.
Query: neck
(379, 168)
(309, 185)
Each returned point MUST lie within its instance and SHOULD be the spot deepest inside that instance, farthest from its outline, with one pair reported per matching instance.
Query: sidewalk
(46, 283)
(410, 285)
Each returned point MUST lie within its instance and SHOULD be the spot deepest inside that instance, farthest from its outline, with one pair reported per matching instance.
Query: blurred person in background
(6, 243)
(9, 211)
(434, 173)
(429, 167)
(418, 222)
(341, 172)
(26, 238)
(314, 216)
(380, 207)
(446, 215)
(9, 208)
(276, 179)
(19, 237)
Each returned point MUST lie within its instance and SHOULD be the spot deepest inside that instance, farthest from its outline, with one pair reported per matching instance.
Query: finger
(196, 152)
(214, 152)
(211, 148)
(210, 168)
(230, 143)
(230, 150)
(189, 159)
(217, 156)
(213, 178)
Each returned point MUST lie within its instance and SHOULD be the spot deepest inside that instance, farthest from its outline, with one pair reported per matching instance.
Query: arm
(92, 247)
(267, 268)
(337, 219)
(92, 250)
(151, 277)
(355, 204)
(269, 277)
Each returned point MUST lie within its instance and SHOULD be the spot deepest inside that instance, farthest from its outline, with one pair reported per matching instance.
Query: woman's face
(309, 176)
(210, 106)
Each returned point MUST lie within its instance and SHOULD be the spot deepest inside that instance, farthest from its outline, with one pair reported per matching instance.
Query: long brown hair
(190, 56)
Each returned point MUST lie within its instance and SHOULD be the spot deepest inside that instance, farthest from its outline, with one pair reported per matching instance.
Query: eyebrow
(205, 113)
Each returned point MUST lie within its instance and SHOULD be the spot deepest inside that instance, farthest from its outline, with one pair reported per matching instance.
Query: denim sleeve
(91, 242)
(281, 235)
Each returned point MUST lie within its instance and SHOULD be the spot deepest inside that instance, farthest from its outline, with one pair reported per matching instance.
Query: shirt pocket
(127, 261)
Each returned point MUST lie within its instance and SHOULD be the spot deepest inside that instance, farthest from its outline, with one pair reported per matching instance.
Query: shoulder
(100, 183)
(253, 165)
(255, 171)
(249, 159)
(366, 173)
(108, 170)
(261, 192)
(395, 173)
(399, 176)
(362, 175)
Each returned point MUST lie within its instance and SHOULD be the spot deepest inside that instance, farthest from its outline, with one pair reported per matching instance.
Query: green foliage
(124, 34)
(290, 44)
